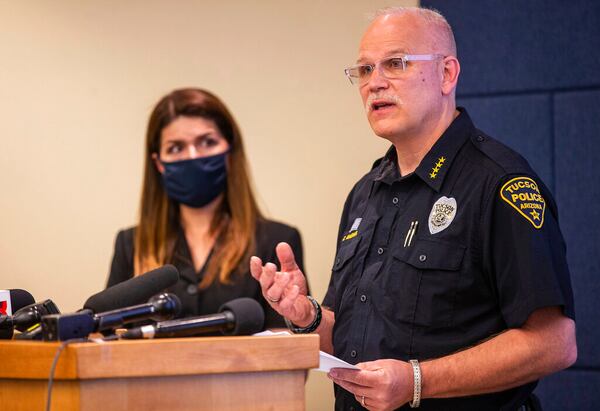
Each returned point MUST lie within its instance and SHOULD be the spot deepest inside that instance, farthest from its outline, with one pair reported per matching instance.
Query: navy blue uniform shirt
(463, 248)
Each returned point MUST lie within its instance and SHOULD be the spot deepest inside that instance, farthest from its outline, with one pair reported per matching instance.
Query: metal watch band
(312, 326)
(417, 384)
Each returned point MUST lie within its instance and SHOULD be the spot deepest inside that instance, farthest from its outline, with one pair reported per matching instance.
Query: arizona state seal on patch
(523, 194)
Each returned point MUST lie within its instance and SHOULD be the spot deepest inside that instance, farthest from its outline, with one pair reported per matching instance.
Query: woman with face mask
(197, 209)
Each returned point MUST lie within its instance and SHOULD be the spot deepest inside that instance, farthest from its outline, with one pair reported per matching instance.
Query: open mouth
(379, 105)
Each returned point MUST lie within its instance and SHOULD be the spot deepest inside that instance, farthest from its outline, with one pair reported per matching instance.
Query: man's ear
(450, 72)
(159, 166)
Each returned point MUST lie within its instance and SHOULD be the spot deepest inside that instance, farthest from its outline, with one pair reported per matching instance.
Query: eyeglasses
(390, 68)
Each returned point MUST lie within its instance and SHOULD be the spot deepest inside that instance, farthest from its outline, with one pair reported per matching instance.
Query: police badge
(442, 214)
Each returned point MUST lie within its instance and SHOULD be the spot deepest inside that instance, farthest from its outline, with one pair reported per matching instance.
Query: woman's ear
(159, 166)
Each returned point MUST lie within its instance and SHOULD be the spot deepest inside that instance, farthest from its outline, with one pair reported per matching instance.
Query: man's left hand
(384, 384)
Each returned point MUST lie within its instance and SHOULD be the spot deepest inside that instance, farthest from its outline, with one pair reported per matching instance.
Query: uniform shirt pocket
(423, 282)
(344, 270)
(345, 252)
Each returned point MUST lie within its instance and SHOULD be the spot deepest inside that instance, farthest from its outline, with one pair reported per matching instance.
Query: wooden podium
(208, 373)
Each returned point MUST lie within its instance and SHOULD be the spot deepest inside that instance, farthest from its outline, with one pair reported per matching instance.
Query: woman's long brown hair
(235, 220)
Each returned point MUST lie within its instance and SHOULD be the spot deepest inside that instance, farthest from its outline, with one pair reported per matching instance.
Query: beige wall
(77, 82)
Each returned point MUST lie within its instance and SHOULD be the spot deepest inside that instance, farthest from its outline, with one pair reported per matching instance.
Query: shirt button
(422, 257)
(480, 138)
(363, 298)
(337, 260)
(353, 353)
(380, 251)
(395, 200)
(192, 289)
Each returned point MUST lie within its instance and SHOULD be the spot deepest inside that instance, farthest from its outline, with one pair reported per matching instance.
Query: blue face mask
(195, 182)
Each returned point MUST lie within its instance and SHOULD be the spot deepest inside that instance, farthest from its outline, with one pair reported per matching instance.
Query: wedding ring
(273, 300)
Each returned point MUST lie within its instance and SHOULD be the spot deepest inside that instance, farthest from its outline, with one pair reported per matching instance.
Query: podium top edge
(159, 357)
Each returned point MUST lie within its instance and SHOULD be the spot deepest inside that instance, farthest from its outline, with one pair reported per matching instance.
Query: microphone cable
(59, 350)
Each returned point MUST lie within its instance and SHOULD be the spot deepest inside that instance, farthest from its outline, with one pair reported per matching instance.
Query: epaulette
(503, 156)
(512, 164)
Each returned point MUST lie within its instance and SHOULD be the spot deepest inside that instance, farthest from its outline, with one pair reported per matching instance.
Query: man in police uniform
(450, 286)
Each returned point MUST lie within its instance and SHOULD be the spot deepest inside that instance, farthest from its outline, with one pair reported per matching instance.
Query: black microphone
(136, 290)
(84, 322)
(10, 302)
(31, 315)
(241, 316)
(160, 307)
(27, 319)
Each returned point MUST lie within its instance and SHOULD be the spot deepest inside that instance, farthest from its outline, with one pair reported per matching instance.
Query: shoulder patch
(523, 194)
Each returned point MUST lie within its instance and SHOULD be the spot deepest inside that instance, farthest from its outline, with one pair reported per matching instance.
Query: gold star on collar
(436, 167)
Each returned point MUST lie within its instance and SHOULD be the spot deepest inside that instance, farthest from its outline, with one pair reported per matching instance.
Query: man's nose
(378, 81)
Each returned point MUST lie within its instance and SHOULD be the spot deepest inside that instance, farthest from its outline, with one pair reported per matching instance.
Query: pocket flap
(432, 255)
(345, 253)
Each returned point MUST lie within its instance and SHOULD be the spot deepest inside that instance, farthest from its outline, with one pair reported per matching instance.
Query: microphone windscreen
(136, 290)
(248, 313)
(19, 299)
(12, 301)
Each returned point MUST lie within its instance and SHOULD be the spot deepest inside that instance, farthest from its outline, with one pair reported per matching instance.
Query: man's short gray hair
(431, 16)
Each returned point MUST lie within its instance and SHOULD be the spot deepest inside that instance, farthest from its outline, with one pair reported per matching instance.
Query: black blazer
(199, 302)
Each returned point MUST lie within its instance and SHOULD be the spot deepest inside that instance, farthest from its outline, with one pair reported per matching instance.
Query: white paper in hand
(327, 362)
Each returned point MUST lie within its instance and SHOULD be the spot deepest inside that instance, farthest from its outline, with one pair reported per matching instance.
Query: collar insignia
(436, 167)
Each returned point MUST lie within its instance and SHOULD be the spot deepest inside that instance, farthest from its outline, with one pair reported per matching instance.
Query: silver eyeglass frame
(405, 58)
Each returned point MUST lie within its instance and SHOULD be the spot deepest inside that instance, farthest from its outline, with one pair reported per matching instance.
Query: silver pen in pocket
(411, 233)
